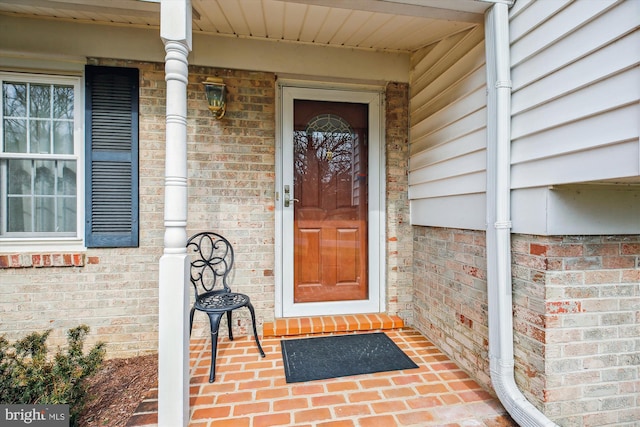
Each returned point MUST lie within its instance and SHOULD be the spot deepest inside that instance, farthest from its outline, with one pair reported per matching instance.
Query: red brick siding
(399, 255)
(231, 164)
(576, 322)
(450, 295)
(576, 302)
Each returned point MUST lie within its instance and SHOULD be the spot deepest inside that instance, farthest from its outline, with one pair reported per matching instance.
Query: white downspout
(499, 220)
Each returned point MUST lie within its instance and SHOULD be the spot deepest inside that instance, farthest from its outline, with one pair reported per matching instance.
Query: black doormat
(309, 359)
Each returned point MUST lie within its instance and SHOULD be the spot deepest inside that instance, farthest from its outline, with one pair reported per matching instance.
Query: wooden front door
(330, 187)
(330, 211)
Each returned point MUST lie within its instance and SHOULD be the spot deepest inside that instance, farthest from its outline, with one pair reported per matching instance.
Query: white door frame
(284, 304)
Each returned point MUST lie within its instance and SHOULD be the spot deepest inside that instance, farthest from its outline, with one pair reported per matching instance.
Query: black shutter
(111, 116)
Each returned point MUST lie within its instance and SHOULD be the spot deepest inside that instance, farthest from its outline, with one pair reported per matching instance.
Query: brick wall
(450, 292)
(231, 164)
(577, 325)
(399, 280)
(114, 291)
(576, 303)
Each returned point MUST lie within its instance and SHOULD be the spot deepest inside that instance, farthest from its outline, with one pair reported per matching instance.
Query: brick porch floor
(252, 392)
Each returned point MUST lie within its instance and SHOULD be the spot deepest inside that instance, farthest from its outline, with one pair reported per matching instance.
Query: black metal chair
(212, 261)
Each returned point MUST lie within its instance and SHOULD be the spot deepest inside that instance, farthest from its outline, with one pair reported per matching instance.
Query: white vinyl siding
(577, 210)
(576, 87)
(448, 132)
(575, 110)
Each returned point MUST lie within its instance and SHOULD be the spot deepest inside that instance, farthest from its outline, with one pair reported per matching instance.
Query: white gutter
(499, 220)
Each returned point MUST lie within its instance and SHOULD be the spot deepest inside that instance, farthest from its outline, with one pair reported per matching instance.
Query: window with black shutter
(111, 156)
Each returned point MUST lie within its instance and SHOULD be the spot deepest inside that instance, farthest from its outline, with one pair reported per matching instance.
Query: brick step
(329, 324)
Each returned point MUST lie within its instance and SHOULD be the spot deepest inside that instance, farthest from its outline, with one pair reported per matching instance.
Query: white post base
(173, 342)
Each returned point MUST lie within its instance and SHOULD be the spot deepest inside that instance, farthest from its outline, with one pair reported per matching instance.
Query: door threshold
(329, 324)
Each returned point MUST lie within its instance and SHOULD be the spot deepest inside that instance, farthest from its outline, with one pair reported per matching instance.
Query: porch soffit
(401, 26)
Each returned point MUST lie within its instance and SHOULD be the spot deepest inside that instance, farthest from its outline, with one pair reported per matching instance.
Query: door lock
(287, 197)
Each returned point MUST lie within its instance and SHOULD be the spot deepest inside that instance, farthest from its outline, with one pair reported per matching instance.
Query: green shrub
(29, 376)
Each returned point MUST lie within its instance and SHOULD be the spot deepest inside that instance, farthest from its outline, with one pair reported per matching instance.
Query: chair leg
(214, 319)
(193, 309)
(255, 332)
(230, 325)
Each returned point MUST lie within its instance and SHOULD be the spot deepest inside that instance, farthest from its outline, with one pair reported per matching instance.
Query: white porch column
(173, 341)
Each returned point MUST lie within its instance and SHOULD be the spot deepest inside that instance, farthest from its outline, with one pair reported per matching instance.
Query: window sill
(19, 246)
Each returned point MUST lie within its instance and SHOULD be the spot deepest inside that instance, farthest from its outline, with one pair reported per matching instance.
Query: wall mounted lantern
(216, 92)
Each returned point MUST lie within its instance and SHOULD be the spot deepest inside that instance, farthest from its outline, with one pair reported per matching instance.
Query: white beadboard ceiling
(384, 25)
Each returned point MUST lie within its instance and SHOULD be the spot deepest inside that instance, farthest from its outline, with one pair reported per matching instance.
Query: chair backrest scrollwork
(211, 262)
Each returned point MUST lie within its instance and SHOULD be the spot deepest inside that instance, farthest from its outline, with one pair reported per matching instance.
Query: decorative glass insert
(332, 140)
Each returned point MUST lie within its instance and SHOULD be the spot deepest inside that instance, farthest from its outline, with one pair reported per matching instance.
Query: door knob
(287, 197)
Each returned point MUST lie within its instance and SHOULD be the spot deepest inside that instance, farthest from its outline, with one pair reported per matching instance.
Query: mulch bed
(117, 389)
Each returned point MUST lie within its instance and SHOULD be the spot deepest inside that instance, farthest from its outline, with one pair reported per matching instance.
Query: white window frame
(51, 244)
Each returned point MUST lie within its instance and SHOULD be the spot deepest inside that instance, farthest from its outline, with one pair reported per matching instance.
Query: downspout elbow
(516, 404)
